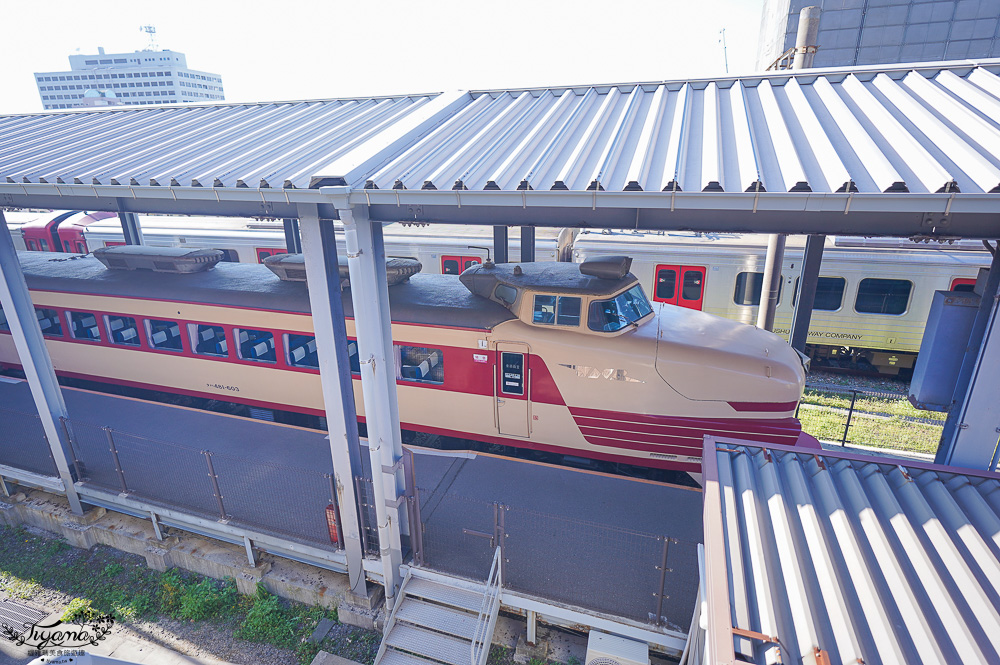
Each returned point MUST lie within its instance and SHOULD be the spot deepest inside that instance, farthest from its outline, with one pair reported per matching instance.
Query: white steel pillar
(370, 295)
(319, 248)
(16, 302)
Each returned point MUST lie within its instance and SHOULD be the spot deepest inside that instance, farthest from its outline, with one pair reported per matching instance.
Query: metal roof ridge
(780, 74)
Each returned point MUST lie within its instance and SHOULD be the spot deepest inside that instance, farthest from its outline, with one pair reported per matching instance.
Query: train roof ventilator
(292, 268)
(158, 259)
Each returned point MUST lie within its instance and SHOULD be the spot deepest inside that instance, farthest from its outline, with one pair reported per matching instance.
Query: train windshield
(622, 310)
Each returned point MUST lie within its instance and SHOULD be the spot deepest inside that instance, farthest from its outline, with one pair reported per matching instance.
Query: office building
(870, 32)
(141, 77)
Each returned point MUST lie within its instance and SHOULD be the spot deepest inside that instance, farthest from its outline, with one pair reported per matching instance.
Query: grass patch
(106, 581)
(890, 433)
(888, 406)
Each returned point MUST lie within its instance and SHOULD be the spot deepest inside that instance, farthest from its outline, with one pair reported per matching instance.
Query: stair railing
(488, 611)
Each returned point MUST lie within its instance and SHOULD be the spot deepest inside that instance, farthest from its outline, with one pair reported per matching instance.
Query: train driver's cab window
(122, 330)
(505, 295)
(618, 312)
(829, 293)
(209, 340)
(164, 335)
(48, 321)
(558, 310)
(83, 325)
(749, 286)
(416, 363)
(883, 296)
(301, 351)
(256, 345)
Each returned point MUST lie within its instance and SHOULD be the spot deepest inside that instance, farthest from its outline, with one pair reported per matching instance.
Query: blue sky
(310, 49)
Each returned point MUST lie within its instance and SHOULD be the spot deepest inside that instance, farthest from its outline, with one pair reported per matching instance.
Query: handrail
(487, 613)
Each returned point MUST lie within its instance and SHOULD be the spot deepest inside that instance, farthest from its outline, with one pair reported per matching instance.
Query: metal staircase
(434, 623)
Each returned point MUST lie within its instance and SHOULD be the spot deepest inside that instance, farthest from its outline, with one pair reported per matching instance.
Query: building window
(883, 296)
(256, 345)
(164, 335)
(209, 340)
(301, 351)
(123, 330)
(419, 364)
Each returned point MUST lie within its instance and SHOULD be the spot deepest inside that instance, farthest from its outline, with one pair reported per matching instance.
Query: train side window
(264, 252)
(569, 311)
(48, 321)
(83, 325)
(505, 294)
(691, 285)
(4, 326)
(469, 261)
(44, 245)
(122, 330)
(164, 335)
(666, 284)
(209, 340)
(353, 358)
(883, 296)
(229, 256)
(749, 286)
(301, 351)
(256, 345)
(67, 246)
(81, 248)
(829, 293)
(31, 245)
(416, 363)
(545, 310)
(450, 265)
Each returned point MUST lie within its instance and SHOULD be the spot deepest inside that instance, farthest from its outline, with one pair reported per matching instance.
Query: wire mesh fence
(23, 444)
(365, 492)
(869, 417)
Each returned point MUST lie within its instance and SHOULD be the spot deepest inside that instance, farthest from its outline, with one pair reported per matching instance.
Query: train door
(512, 389)
(454, 265)
(264, 252)
(680, 285)
(963, 284)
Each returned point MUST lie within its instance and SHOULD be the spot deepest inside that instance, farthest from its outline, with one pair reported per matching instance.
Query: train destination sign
(512, 365)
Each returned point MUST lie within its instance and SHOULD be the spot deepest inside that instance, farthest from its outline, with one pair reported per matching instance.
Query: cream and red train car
(566, 358)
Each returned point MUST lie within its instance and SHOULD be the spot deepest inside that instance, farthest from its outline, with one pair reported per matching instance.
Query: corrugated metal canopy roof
(860, 557)
(920, 130)
(281, 144)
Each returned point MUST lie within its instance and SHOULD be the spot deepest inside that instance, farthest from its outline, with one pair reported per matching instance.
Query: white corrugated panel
(907, 128)
(224, 145)
(859, 558)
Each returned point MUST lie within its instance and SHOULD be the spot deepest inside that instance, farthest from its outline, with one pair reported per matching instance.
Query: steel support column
(293, 243)
(16, 302)
(320, 250)
(500, 254)
(373, 328)
(130, 225)
(811, 261)
(771, 284)
(527, 244)
(971, 432)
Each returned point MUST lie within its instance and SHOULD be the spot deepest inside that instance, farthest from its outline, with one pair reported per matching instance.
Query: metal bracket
(396, 466)
(936, 219)
(395, 504)
(354, 255)
(416, 211)
(479, 534)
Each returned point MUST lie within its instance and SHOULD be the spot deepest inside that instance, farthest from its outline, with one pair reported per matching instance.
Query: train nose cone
(707, 358)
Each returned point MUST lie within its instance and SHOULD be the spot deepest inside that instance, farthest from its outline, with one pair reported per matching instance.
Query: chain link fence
(23, 444)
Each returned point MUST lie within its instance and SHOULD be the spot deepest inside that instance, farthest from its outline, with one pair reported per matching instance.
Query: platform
(578, 538)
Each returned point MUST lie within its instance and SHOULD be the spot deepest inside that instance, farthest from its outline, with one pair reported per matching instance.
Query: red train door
(512, 389)
(264, 252)
(454, 265)
(963, 284)
(680, 285)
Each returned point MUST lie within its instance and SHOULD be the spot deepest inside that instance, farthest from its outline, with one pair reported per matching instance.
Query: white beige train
(559, 357)
(872, 303)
